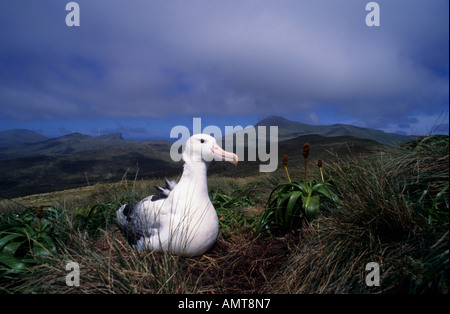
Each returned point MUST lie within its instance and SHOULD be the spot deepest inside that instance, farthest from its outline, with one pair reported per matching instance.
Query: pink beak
(221, 154)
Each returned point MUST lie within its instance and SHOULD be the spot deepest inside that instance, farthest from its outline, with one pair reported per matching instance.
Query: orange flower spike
(285, 160)
(40, 212)
(319, 164)
(306, 149)
(285, 163)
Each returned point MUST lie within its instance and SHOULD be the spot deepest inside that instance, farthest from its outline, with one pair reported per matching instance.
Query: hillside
(18, 137)
(326, 148)
(289, 129)
(68, 144)
(38, 174)
(77, 160)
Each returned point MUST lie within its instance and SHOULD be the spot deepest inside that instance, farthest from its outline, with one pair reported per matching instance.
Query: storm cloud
(153, 59)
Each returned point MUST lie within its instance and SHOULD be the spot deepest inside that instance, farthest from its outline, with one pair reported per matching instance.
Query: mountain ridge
(144, 160)
(78, 159)
(289, 129)
(21, 143)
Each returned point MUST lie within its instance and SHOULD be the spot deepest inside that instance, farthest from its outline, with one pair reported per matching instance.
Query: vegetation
(27, 239)
(230, 210)
(290, 203)
(382, 216)
(390, 208)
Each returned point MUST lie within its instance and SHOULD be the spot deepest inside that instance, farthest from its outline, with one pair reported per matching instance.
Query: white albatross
(181, 220)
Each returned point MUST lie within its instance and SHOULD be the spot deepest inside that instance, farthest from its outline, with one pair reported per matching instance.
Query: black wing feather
(164, 191)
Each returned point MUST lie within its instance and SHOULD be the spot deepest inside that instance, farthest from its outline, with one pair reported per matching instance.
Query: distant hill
(76, 160)
(288, 129)
(19, 137)
(46, 173)
(36, 164)
(73, 161)
(68, 144)
(322, 147)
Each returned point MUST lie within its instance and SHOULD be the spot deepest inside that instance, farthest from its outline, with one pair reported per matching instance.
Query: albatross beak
(220, 154)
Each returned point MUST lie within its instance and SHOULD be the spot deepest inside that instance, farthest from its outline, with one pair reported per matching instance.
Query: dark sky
(141, 67)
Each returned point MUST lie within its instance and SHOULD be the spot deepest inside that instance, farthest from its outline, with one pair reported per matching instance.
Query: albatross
(181, 220)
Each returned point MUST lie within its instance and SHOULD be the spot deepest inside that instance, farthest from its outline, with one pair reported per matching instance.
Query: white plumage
(181, 220)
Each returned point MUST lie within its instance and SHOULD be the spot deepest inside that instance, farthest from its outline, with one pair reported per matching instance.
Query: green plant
(28, 238)
(433, 207)
(229, 210)
(290, 203)
(94, 219)
(221, 200)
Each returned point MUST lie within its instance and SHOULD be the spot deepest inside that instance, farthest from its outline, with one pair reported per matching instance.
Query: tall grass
(382, 217)
(109, 265)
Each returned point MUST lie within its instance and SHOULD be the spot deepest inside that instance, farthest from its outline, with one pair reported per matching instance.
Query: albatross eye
(202, 141)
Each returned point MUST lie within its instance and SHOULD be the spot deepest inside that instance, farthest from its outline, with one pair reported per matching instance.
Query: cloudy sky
(141, 67)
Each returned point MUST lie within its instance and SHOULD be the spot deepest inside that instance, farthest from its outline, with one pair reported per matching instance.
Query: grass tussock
(393, 210)
(109, 265)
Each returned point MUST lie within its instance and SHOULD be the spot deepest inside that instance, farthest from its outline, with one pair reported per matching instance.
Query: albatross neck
(194, 172)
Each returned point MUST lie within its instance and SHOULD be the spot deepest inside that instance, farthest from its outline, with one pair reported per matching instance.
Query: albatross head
(203, 147)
